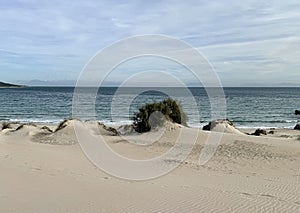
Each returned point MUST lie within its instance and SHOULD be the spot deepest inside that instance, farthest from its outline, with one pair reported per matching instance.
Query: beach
(43, 170)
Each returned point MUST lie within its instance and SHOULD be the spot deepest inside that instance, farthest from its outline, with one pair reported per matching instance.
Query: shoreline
(127, 122)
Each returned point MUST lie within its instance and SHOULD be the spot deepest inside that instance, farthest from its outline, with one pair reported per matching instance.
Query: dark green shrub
(153, 115)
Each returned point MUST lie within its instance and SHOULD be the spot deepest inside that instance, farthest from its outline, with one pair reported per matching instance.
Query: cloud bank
(247, 42)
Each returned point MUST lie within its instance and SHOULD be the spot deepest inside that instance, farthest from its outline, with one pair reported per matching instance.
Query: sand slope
(246, 174)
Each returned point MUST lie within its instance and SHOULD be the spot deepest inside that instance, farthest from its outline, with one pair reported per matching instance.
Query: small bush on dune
(153, 115)
(23, 125)
(46, 128)
(6, 125)
(61, 125)
(20, 127)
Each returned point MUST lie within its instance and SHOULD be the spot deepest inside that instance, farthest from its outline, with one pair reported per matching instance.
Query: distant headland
(7, 85)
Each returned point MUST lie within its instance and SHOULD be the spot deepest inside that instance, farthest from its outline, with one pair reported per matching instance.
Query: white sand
(246, 174)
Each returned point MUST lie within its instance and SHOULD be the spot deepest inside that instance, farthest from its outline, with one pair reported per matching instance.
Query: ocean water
(246, 107)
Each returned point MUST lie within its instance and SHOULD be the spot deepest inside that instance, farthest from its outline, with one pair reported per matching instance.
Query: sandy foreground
(41, 171)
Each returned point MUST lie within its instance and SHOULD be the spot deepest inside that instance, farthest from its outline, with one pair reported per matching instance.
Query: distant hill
(6, 85)
(41, 83)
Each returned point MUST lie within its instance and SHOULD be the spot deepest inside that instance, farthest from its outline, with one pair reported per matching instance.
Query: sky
(248, 43)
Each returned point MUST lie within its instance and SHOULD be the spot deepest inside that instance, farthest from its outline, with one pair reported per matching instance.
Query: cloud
(242, 39)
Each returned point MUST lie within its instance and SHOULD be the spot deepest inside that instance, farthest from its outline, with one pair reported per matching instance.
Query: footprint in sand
(267, 195)
(36, 168)
(298, 203)
(184, 187)
(245, 193)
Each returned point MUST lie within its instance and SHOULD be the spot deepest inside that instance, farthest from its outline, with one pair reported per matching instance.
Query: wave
(116, 123)
(57, 121)
(37, 121)
(251, 124)
(265, 121)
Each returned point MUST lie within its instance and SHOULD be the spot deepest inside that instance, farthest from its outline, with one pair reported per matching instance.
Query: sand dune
(223, 126)
(44, 170)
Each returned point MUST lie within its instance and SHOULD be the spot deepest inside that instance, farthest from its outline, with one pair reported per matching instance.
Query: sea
(246, 107)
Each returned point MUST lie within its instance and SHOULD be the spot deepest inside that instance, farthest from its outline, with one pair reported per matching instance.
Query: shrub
(22, 126)
(61, 125)
(153, 115)
(6, 125)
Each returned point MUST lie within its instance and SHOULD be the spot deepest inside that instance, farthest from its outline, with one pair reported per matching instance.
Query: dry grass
(22, 125)
(6, 125)
(62, 125)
